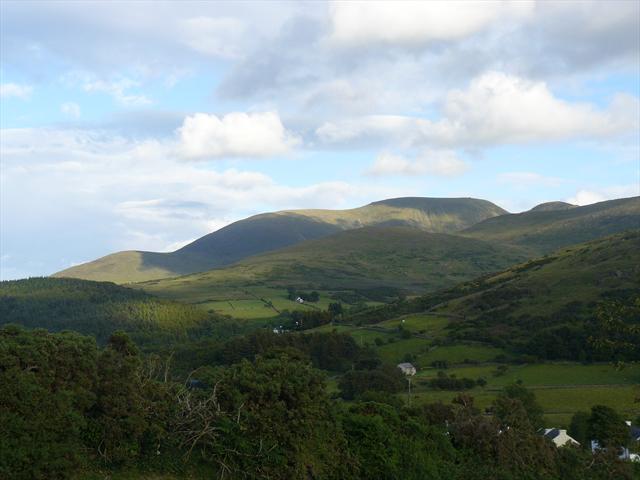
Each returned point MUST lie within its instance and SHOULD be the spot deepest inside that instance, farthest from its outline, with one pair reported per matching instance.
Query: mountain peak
(552, 206)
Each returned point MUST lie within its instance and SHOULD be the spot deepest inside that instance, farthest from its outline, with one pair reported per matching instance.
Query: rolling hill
(397, 258)
(544, 307)
(549, 227)
(100, 308)
(271, 231)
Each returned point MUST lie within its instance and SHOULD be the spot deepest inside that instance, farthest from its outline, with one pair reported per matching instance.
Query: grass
(456, 354)
(561, 374)
(559, 404)
(429, 325)
(561, 389)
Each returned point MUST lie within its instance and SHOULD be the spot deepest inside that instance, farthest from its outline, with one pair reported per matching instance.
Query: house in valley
(407, 368)
(559, 437)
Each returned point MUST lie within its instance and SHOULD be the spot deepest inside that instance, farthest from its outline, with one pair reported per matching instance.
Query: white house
(407, 368)
(559, 437)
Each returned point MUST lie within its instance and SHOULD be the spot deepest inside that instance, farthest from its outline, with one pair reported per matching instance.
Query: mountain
(552, 206)
(546, 307)
(100, 308)
(271, 231)
(543, 230)
(369, 258)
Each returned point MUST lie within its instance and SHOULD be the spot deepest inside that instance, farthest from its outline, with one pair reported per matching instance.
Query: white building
(559, 437)
(407, 368)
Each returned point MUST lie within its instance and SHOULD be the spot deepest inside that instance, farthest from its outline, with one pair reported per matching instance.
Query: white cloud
(440, 163)
(132, 194)
(218, 37)
(504, 108)
(8, 90)
(589, 196)
(410, 23)
(528, 179)
(495, 109)
(235, 134)
(118, 89)
(70, 109)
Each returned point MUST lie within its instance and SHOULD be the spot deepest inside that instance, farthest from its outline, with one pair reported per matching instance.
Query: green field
(548, 374)
(559, 404)
(561, 389)
(432, 326)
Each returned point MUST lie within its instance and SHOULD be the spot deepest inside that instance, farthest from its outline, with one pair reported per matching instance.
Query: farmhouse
(559, 437)
(407, 368)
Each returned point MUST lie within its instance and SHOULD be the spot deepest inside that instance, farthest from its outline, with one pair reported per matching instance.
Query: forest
(261, 408)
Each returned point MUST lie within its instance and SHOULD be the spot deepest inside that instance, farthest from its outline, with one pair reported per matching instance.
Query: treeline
(100, 308)
(70, 408)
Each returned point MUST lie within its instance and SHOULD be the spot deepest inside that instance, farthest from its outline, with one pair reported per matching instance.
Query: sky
(131, 125)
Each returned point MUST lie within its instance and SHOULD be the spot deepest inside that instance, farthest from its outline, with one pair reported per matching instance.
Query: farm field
(561, 389)
(547, 374)
(255, 302)
(426, 324)
(559, 404)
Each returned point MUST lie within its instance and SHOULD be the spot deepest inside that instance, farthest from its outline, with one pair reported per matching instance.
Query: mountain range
(271, 231)
(409, 243)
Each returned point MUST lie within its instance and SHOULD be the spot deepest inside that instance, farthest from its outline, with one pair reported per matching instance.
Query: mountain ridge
(271, 231)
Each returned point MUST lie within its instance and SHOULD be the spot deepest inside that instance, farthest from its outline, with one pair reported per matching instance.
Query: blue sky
(139, 125)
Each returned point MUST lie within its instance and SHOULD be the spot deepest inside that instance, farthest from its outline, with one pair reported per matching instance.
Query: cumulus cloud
(588, 196)
(495, 108)
(439, 163)
(70, 109)
(410, 23)
(15, 90)
(235, 134)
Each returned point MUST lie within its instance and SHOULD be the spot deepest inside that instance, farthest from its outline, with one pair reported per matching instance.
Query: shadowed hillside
(543, 230)
(397, 257)
(271, 231)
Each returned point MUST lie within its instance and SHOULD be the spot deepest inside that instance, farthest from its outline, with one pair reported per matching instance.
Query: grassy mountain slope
(544, 230)
(366, 258)
(271, 231)
(98, 309)
(544, 307)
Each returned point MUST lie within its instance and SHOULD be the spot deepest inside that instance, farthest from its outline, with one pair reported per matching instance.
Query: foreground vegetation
(71, 409)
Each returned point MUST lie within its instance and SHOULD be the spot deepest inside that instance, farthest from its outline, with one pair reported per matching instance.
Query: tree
(335, 309)
(607, 427)
(46, 387)
(119, 413)
(384, 379)
(579, 428)
(270, 418)
(527, 399)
